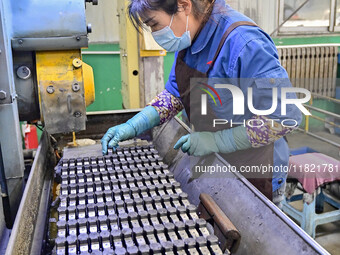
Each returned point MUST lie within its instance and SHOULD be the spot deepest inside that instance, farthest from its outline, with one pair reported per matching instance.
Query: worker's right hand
(115, 135)
(144, 120)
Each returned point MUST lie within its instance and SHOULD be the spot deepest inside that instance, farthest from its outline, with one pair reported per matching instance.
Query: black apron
(250, 157)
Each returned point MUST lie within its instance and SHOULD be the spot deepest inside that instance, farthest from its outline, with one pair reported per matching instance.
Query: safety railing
(328, 113)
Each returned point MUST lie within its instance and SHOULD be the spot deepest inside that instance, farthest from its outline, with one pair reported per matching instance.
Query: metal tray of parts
(126, 202)
(263, 227)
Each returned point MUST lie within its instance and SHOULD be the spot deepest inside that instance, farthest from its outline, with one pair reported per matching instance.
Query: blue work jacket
(248, 52)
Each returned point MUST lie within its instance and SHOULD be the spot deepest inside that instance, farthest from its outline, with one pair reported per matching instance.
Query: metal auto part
(124, 205)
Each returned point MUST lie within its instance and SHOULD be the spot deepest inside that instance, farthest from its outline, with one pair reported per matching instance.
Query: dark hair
(137, 7)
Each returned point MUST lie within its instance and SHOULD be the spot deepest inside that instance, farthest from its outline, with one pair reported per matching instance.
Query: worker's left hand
(224, 141)
(197, 144)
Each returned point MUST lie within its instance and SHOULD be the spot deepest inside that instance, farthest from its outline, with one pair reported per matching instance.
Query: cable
(41, 128)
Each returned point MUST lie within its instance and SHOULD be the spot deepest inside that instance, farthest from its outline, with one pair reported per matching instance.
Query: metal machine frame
(10, 135)
(42, 77)
(264, 228)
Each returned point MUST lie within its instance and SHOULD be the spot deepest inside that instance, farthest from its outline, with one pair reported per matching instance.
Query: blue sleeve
(171, 84)
(258, 66)
(257, 58)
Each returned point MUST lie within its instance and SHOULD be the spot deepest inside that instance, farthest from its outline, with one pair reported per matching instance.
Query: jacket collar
(210, 26)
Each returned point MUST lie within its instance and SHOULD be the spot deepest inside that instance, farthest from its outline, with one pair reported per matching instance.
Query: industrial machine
(262, 227)
(42, 77)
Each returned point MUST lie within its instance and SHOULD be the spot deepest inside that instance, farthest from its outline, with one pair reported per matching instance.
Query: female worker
(211, 40)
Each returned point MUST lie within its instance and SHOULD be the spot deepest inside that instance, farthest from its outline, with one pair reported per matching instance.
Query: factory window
(337, 19)
(309, 16)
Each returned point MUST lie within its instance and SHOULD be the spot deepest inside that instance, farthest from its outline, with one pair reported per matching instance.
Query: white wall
(105, 28)
(104, 21)
(263, 12)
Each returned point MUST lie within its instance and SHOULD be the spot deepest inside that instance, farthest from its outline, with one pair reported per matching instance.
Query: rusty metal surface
(24, 226)
(99, 122)
(264, 228)
(61, 88)
(224, 229)
(10, 134)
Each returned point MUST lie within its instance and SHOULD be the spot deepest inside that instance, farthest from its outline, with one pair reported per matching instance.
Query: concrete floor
(299, 139)
(327, 235)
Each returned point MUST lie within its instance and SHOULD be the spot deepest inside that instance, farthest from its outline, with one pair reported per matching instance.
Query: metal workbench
(264, 228)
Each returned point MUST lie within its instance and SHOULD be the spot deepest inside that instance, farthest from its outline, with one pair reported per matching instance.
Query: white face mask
(167, 39)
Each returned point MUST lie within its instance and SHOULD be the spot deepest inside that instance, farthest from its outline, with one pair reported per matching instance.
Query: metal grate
(312, 68)
(127, 203)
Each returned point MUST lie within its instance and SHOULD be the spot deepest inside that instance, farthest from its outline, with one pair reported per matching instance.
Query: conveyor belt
(127, 202)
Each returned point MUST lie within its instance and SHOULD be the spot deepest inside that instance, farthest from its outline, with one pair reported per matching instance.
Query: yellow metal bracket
(88, 84)
(61, 90)
(152, 53)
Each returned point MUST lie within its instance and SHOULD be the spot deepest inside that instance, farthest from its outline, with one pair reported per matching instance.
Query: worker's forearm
(145, 120)
(228, 140)
(161, 109)
(233, 139)
(224, 141)
(261, 132)
(167, 106)
(264, 131)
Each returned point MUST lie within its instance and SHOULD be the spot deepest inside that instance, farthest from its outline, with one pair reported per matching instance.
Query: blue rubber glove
(224, 141)
(144, 120)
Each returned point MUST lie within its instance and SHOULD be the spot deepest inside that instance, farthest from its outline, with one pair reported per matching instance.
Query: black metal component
(4, 194)
(127, 202)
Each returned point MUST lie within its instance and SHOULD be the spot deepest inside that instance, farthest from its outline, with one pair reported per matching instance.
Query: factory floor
(327, 235)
